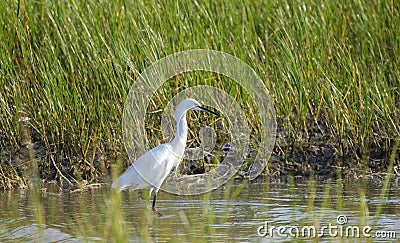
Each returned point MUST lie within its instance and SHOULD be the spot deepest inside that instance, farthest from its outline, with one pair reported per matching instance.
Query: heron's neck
(179, 142)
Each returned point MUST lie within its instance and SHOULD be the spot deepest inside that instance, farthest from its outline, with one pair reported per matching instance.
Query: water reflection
(227, 214)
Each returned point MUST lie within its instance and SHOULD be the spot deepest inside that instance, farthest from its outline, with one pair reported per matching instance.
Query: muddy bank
(317, 157)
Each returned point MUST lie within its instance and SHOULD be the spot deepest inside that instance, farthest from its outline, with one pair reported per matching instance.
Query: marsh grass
(66, 68)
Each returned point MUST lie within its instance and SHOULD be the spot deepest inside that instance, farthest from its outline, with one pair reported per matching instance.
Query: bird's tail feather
(130, 179)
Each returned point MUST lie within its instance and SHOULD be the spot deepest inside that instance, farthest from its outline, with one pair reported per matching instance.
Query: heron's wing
(149, 170)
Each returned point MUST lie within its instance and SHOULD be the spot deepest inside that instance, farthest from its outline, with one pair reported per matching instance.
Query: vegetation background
(66, 67)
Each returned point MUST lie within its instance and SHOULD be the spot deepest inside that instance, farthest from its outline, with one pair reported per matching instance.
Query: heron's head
(189, 104)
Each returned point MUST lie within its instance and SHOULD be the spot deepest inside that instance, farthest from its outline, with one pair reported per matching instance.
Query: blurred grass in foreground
(66, 68)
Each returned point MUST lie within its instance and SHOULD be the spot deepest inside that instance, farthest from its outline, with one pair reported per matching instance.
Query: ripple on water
(33, 233)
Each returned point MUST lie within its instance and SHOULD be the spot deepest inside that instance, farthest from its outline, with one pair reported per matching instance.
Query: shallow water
(227, 214)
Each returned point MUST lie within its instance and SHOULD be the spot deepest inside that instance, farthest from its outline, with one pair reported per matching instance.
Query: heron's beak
(208, 110)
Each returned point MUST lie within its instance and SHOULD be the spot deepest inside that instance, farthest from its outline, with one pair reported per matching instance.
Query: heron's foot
(156, 212)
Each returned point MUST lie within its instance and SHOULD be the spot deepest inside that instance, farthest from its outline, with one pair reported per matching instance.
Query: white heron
(151, 169)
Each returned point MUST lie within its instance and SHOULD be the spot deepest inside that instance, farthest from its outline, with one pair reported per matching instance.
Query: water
(229, 214)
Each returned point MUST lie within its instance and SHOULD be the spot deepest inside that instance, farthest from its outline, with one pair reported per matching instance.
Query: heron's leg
(154, 205)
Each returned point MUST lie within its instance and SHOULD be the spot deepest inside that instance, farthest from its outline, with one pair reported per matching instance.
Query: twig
(59, 171)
